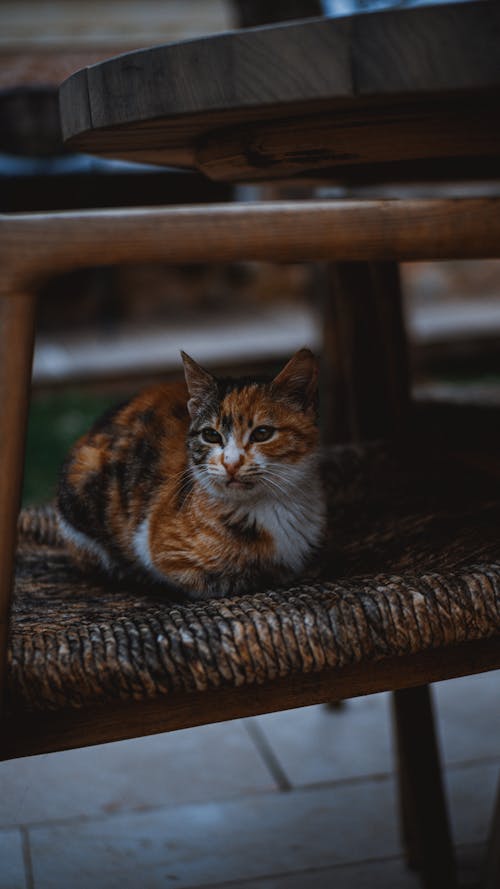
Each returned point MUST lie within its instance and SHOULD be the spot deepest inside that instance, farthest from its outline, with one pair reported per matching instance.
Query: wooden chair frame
(35, 247)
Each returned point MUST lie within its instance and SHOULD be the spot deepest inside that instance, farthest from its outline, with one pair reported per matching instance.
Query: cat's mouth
(238, 483)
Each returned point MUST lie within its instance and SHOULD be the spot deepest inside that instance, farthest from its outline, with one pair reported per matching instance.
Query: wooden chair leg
(17, 312)
(424, 816)
(365, 369)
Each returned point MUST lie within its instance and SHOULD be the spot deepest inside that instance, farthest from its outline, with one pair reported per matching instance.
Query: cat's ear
(298, 381)
(200, 383)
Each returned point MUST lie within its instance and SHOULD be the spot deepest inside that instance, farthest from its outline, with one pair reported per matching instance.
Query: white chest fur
(296, 524)
(295, 531)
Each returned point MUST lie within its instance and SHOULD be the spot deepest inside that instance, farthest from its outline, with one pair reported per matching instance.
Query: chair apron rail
(39, 245)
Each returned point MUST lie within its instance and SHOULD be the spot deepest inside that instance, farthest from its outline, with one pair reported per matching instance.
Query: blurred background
(104, 332)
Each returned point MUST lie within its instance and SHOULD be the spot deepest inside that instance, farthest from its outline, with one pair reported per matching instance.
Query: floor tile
(212, 762)
(12, 875)
(316, 744)
(468, 712)
(262, 835)
(471, 792)
(470, 865)
(390, 874)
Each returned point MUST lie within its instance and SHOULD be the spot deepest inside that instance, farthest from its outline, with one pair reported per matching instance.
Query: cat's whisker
(276, 477)
(283, 472)
(293, 481)
(185, 481)
(185, 473)
(274, 486)
(182, 472)
(185, 492)
(184, 485)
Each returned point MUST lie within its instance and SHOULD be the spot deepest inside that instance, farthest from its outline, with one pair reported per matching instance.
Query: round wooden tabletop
(411, 92)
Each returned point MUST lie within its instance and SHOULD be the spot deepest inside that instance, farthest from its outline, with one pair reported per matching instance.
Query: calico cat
(211, 487)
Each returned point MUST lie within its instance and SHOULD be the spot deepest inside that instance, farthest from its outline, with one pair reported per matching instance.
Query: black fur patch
(179, 411)
(226, 423)
(242, 530)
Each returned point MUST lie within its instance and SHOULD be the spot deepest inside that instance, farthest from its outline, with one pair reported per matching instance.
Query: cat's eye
(262, 433)
(211, 436)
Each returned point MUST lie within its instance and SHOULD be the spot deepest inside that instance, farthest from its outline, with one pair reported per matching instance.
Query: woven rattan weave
(412, 562)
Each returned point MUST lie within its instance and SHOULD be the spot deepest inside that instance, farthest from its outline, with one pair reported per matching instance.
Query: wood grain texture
(35, 246)
(17, 312)
(76, 114)
(340, 143)
(33, 733)
(144, 102)
(229, 72)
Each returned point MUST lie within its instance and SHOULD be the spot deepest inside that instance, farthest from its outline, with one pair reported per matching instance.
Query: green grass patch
(56, 420)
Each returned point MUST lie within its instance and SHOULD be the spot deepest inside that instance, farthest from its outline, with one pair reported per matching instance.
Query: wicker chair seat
(412, 563)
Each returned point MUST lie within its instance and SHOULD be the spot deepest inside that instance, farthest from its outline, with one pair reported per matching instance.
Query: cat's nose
(232, 466)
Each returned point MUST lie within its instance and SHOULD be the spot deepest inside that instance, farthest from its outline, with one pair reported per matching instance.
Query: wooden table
(397, 94)
(408, 93)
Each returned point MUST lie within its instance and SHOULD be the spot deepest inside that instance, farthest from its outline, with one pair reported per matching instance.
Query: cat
(209, 486)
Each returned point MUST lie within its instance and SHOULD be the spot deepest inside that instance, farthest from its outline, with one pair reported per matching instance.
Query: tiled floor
(285, 801)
